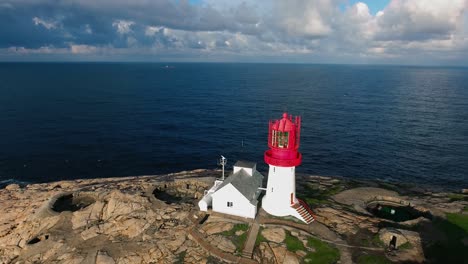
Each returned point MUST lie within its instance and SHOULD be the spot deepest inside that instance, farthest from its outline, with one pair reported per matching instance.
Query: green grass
(373, 259)
(260, 238)
(450, 249)
(314, 196)
(237, 240)
(235, 228)
(370, 240)
(465, 209)
(405, 246)
(324, 253)
(293, 243)
(459, 220)
(181, 257)
(457, 197)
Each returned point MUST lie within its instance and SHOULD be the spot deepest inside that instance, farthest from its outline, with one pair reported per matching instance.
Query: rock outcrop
(154, 219)
(125, 222)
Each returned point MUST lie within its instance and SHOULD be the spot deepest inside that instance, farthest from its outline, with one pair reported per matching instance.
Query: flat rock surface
(361, 195)
(274, 234)
(128, 220)
(125, 223)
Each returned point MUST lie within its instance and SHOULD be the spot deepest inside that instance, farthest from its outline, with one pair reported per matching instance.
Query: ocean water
(84, 120)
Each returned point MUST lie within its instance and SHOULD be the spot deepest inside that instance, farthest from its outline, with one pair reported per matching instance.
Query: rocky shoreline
(154, 219)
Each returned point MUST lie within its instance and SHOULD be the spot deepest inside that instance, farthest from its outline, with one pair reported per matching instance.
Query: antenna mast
(223, 162)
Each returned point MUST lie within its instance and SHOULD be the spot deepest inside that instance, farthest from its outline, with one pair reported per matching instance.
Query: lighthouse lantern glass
(280, 139)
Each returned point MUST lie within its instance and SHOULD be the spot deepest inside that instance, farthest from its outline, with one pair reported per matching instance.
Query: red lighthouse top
(283, 141)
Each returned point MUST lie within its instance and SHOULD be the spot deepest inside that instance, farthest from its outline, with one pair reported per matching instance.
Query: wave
(4, 183)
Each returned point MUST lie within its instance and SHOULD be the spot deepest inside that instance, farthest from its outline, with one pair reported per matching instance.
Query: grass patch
(238, 241)
(451, 249)
(314, 202)
(457, 197)
(324, 253)
(293, 243)
(405, 246)
(459, 220)
(260, 238)
(181, 257)
(315, 196)
(465, 209)
(372, 242)
(373, 259)
(235, 228)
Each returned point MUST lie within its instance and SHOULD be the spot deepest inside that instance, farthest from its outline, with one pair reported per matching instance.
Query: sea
(62, 121)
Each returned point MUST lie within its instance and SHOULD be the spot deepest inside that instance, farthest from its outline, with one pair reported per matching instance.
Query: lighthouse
(283, 157)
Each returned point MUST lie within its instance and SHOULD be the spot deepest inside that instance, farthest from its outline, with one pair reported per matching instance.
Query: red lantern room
(283, 141)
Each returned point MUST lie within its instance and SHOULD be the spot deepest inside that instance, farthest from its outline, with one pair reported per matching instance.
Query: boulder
(222, 243)
(13, 187)
(175, 244)
(264, 254)
(290, 258)
(103, 258)
(90, 233)
(387, 234)
(279, 252)
(276, 234)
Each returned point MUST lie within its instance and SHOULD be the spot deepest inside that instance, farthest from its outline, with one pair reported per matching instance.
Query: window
(229, 204)
(280, 139)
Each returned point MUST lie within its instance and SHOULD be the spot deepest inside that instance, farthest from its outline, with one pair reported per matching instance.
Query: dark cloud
(294, 28)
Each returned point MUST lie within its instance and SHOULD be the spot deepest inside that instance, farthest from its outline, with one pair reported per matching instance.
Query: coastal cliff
(154, 219)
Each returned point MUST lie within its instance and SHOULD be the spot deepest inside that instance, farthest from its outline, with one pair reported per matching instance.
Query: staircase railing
(304, 204)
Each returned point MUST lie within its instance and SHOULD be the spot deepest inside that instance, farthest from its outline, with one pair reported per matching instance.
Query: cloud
(420, 20)
(152, 30)
(123, 26)
(294, 30)
(47, 24)
(83, 49)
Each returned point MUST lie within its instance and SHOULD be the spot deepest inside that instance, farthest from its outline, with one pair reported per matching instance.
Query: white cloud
(152, 30)
(420, 19)
(273, 28)
(47, 24)
(123, 26)
(88, 29)
(40, 50)
(306, 18)
(83, 49)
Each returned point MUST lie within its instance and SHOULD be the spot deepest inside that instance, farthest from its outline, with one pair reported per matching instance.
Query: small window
(280, 139)
(271, 189)
(229, 204)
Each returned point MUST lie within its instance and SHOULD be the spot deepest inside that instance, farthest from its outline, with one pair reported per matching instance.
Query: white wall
(240, 205)
(281, 183)
(248, 170)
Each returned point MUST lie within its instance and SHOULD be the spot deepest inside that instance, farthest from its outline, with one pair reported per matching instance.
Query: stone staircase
(304, 211)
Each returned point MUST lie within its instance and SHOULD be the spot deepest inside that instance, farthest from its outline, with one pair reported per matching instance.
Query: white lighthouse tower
(283, 157)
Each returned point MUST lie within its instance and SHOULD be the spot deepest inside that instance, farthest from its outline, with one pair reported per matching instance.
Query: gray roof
(245, 184)
(245, 164)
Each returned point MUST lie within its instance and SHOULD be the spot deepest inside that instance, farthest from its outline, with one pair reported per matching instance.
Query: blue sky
(374, 5)
(316, 31)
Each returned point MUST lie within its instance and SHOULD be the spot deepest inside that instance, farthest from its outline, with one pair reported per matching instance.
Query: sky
(414, 32)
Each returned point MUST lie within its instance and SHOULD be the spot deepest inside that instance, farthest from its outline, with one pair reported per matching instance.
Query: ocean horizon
(62, 121)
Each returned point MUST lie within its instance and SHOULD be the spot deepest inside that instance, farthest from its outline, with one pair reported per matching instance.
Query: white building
(283, 157)
(237, 194)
